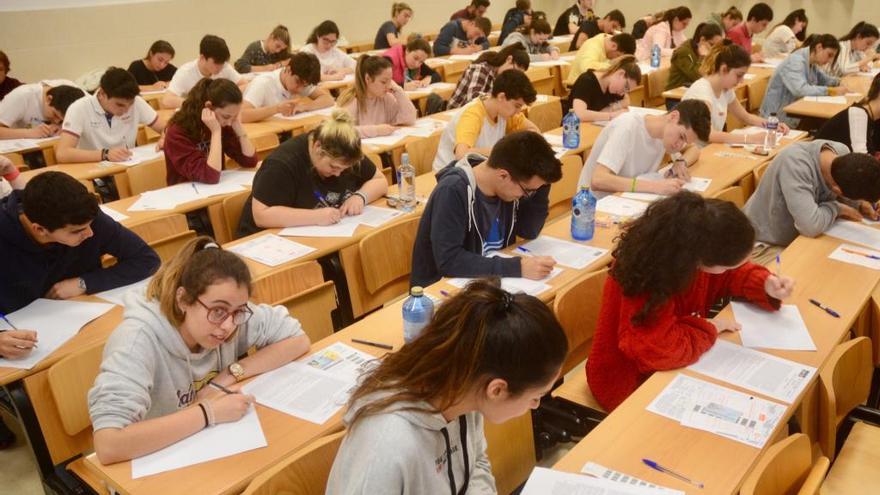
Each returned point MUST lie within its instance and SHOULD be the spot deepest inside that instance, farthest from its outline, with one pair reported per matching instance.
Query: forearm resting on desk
(268, 358)
(141, 438)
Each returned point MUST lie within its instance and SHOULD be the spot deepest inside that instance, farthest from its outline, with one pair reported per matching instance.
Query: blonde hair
(367, 65)
(338, 137)
(398, 7)
(281, 34)
(626, 63)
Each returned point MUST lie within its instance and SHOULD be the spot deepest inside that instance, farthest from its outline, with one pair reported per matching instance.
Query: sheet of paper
(389, 140)
(469, 57)
(321, 112)
(141, 154)
(646, 68)
(754, 370)
(567, 58)
(55, 322)
(433, 62)
(857, 255)
(422, 128)
(242, 177)
(554, 140)
(313, 389)
(153, 92)
(641, 196)
(549, 63)
(344, 228)
(621, 207)
(749, 77)
(632, 109)
(117, 295)
(110, 212)
(271, 250)
(375, 216)
(699, 404)
(783, 329)
(566, 253)
(837, 100)
(218, 441)
(602, 472)
(545, 481)
(12, 145)
(510, 284)
(792, 133)
(855, 232)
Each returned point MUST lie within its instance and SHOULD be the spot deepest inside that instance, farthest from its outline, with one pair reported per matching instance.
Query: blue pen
(320, 197)
(524, 250)
(194, 187)
(866, 255)
(4, 318)
(825, 308)
(653, 465)
(778, 265)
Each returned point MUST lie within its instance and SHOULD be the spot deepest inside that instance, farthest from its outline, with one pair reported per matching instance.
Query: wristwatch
(237, 371)
(82, 284)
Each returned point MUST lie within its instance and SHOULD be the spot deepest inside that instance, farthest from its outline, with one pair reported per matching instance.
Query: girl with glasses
(335, 64)
(188, 329)
(603, 95)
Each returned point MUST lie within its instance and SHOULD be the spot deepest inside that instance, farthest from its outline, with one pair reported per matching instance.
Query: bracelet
(209, 411)
(105, 154)
(362, 196)
(11, 176)
(204, 414)
(632, 188)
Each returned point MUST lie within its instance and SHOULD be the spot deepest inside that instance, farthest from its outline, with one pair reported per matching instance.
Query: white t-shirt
(780, 42)
(624, 147)
(266, 90)
(87, 120)
(23, 106)
(333, 59)
(188, 75)
(702, 90)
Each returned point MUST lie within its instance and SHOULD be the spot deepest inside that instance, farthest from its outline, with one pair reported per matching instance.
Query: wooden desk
(816, 110)
(92, 170)
(47, 148)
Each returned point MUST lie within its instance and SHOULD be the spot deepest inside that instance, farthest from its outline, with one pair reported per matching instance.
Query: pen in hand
(222, 388)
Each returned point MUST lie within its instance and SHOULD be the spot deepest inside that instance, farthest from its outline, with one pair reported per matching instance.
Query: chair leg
(874, 395)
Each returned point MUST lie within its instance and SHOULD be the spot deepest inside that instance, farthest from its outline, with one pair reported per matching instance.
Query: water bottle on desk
(771, 139)
(418, 310)
(583, 215)
(406, 184)
(571, 131)
(655, 56)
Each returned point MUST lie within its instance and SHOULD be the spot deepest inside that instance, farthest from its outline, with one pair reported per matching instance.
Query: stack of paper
(168, 198)
(12, 145)
(705, 406)
(857, 255)
(115, 215)
(837, 100)
(314, 388)
(783, 329)
(545, 481)
(619, 206)
(566, 253)
(515, 284)
(433, 62)
(141, 154)
(372, 216)
(271, 250)
(855, 232)
(55, 322)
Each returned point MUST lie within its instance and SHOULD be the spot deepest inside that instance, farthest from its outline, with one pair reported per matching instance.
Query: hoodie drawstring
(462, 425)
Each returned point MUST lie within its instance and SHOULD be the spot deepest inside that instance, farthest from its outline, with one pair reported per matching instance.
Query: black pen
(374, 344)
(221, 387)
(824, 308)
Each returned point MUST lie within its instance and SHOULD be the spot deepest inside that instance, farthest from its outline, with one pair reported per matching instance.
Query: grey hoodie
(148, 371)
(405, 452)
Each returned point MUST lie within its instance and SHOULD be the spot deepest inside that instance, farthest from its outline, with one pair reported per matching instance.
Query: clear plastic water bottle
(772, 137)
(571, 131)
(418, 310)
(583, 215)
(655, 56)
(406, 184)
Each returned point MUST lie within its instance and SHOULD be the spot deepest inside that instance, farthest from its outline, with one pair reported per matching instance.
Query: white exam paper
(545, 481)
(117, 295)
(566, 253)
(857, 259)
(855, 232)
(271, 250)
(141, 154)
(783, 329)
(837, 100)
(602, 472)
(110, 212)
(621, 207)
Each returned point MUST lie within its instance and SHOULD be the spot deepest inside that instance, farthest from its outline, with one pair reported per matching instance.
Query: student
(479, 76)
(389, 32)
(154, 71)
(103, 126)
(602, 95)
(335, 63)
(36, 110)
(570, 19)
(667, 34)
(641, 26)
(670, 266)
(416, 428)
(180, 342)
(487, 119)
(266, 55)
(315, 178)
(213, 62)
(7, 84)
(854, 49)
(408, 67)
(726, 20)
(534, 37)
(12, 180)
(375, 101)
(205, 130)
(859, 125)
(477, 8)
(808, 186)
(57, 237)
(481, 205)
(634, 144)
(684, 67)
(519, 15)
(785, 36)
(613, 22)
(597, 52)
(799, 75)
(288, 90)
(463, 36)
(757, 20)
(723, 69)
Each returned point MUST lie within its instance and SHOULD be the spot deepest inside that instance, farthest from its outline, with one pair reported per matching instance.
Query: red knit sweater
(187, 160)
(674, 335)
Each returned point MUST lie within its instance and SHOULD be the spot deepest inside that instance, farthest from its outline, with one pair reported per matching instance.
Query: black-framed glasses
(526, 191)
(218, 315)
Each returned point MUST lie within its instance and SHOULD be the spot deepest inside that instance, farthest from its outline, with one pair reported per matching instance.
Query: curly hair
(659, 253)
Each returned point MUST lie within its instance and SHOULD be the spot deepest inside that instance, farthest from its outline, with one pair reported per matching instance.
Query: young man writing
(287, 91)
(103, 126)
(463, 37)
(632, 145)
(611, 24)
(36, 110)
(597, 52)
(482, 205)
(477, 8)
(213, 62)
(757, 20)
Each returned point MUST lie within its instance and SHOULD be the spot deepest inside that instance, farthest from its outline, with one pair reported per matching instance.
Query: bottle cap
(416, 291)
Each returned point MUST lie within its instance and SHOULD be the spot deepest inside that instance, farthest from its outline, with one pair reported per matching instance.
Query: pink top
(741, 36)
(393, 108)
(659, 34)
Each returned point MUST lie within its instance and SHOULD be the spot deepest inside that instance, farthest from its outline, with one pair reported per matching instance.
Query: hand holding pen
(16, 343)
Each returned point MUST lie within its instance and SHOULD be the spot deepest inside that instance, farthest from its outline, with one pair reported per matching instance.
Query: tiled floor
(18, 470)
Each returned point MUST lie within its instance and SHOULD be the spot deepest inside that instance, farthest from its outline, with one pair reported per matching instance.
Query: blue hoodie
(449, 242)
(452, 33)
(30, 270)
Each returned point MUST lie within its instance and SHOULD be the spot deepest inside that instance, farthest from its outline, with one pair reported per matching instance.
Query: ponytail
(220, 92)
(197, 266)
(338, 137)
(367, 65)
(628, 64)
(281, 34)
(826, 40)
(681, 13)
(399, 7)
(861, 30)
(516, 51)
(729, 54)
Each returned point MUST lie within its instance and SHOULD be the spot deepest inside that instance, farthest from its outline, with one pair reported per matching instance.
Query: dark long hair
(323, 29)
(220, 92)
(862, 29)
(516, 51)
(706, 31)
(659, 253)
(799, 15)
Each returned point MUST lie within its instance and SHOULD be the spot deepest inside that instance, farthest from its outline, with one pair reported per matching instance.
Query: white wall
(69, 42)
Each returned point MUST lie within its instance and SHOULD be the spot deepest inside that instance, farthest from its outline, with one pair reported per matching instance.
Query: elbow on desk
(107, 446)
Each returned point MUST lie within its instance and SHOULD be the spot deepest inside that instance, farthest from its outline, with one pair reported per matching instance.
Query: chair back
(422, 151)
(386, 255)
(225, 222)
(546, 115)
(147, 176)
(302, 290)
(264, 144)
(304, 473)
(577, 308)
(787, 468)
(734, 194)
(759, 172)
(755, 92)
(562, 191)
(161, 227)
(844, 383)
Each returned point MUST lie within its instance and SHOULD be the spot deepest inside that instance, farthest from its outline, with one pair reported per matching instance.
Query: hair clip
(211, 245)
(508, 300)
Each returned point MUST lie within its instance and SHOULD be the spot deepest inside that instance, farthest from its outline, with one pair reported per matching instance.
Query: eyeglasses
(528, 193)
(329, 41)
(218, 315)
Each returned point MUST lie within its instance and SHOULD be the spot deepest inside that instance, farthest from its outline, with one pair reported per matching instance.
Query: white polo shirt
(23, 106)
(266, 90)
(87, 120)
(188, 75)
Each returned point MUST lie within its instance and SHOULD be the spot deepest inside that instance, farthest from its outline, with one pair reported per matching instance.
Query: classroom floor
(19, 473)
